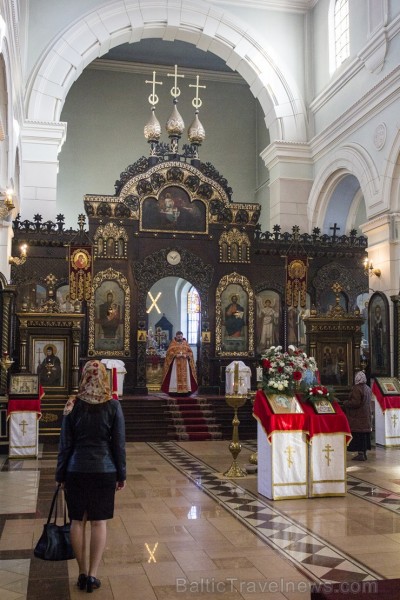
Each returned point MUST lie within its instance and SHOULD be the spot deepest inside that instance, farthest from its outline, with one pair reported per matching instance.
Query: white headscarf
(360, 378)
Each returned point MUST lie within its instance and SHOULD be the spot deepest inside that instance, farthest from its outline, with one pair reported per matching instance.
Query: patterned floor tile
(309, 552)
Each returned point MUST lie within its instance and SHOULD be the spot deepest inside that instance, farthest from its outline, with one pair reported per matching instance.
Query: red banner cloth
(326, 423)
(271, 422)
(26, 404)
(385, 402)
(310, 422)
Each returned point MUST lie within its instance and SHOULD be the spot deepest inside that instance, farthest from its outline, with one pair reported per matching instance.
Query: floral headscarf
(94, 387)
(360, 378)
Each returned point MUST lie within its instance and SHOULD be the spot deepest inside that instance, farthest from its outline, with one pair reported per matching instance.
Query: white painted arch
(351, 159)
(192, 21)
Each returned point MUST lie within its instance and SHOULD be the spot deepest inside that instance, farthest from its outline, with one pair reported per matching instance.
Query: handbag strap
(54, 503)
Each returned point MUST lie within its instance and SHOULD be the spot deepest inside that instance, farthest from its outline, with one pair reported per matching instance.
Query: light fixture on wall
(21, 259)
(8, 204)
(369, 269)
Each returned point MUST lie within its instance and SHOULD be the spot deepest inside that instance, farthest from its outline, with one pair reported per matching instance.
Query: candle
(236, 378)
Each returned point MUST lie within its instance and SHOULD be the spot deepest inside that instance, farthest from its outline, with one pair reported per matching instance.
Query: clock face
(173, 257)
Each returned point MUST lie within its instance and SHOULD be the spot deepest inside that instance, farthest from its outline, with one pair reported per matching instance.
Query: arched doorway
(172, 304)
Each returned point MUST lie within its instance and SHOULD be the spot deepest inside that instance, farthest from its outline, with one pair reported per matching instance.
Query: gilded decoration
(154, 267)
(201, 191)
(234, 312)
(110, 241)
(109, 315)
(234, 246)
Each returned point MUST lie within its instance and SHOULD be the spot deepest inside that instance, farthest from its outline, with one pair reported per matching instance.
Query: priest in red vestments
(179, 370)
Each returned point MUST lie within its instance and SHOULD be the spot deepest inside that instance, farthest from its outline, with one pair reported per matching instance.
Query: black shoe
(92, 584)
(359, 457)
(81, 583)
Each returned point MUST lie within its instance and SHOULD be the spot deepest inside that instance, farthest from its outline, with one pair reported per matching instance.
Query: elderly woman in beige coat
(358, 412)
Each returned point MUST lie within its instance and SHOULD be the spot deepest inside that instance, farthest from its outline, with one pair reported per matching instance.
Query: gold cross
(328, 449)
(50, 279)
(81, 221)
(337, 288)
(151, 552)
(154, 303)
(23, 425)
(175, 91)
(290, 451)
(196, 102)
(153, 98)
(394, 418)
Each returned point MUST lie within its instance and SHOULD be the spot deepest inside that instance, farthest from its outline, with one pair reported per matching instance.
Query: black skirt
(361, 441)
(90, 493)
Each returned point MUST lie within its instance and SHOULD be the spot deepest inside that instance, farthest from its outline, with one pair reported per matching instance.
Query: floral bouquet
(283, 371)
(318, 392)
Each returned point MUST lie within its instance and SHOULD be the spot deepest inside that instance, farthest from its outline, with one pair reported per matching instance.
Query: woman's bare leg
(98, 538)
(78, 541)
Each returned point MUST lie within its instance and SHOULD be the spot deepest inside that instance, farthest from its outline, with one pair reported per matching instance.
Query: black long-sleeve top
(93, 440)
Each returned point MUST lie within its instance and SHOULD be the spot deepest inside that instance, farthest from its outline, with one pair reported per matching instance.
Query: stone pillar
(41, 142)
(290, 168)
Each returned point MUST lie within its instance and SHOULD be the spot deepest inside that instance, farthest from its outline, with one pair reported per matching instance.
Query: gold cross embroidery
(328, 449)
(394, 418)
(23, 426)
(290, 452)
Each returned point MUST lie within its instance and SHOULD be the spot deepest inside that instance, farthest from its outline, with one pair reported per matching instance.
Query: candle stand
(235, 447)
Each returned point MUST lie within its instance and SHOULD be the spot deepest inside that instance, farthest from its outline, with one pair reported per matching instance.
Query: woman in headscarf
(91, 466)
(358, 412)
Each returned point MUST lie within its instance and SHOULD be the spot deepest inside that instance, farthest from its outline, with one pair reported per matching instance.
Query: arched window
(341, 31)
(193, 315)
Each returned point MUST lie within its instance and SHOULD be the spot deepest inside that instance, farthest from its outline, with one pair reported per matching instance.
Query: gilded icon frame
(282, 404)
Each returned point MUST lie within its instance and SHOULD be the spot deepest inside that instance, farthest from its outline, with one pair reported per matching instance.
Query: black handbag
(55, 543)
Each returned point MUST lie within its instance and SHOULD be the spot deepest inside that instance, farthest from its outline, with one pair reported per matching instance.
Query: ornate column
(76, 339)
(8, 293)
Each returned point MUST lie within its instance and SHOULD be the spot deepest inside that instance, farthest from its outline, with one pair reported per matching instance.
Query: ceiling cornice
(297, 6)
(122, 66)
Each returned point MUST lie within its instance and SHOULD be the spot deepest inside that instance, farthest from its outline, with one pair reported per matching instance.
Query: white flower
(280, 387)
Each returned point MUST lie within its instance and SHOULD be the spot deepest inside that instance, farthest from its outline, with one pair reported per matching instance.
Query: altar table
(387, 418)
(300, 455)
(23, 416)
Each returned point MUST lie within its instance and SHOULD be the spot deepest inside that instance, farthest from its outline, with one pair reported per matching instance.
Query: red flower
(266, 363)
(297, 375)
(280, 369)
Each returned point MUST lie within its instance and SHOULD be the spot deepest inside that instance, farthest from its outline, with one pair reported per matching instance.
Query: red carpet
(192, 419)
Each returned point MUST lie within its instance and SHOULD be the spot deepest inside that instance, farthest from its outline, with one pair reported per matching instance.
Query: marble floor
(182, 530)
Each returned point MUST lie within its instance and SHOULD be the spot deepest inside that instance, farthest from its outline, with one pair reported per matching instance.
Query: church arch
(391, 180)
(155, 267)
(352, 160)
(79, 44)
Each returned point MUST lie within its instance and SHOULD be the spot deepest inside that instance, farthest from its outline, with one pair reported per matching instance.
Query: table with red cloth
(320, 444)
(23, 415)
(387, 417)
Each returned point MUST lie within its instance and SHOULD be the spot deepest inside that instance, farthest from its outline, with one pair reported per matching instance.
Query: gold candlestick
(235, 400)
